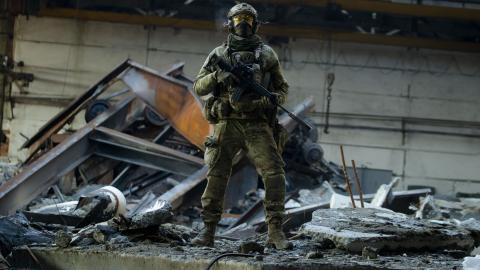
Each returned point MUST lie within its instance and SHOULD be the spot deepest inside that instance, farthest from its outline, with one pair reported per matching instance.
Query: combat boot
(276, 237)
(206, 236)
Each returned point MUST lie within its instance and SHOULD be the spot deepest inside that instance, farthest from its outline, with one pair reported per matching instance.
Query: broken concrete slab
(354, 229)
(384, 193)
(473, 226)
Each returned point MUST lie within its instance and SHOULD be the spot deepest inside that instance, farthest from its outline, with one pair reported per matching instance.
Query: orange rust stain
(179, 106)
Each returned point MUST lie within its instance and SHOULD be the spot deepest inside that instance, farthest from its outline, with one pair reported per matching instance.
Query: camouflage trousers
(257, 140)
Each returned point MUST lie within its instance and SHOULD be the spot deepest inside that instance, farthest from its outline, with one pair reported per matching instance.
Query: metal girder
(119, 146)
(272, 30)
(45, 171)
(57, 122)
(387, 7)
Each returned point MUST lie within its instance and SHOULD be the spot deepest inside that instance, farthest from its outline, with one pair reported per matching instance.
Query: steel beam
(380, 6)
(59, 120)
(270, 29)
(45, 171)
(119, 146)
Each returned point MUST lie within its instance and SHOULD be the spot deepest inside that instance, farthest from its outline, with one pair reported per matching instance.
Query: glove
(266, 103)
(220, 109)
(225, 77)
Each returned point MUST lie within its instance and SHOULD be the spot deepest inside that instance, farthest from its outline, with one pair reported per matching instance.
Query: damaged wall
(382, 96)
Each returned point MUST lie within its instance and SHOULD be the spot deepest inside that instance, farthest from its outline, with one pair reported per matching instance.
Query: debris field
(124, 189)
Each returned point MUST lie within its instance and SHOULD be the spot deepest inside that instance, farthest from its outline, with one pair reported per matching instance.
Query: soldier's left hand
(265, 103)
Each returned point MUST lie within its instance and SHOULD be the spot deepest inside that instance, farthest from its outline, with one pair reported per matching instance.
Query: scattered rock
(251, 247)
(63, 239)
(369, 253)
(258, 258)
(16, 231)
(476, 251)
(314, 255)
(99, 237)
(118, 239)
(471, 263)
(158, 213)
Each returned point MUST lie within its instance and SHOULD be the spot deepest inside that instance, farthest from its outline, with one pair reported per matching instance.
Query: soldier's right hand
(225, 77)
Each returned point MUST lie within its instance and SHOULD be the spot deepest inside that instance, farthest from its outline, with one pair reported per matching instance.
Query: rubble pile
(133, 175)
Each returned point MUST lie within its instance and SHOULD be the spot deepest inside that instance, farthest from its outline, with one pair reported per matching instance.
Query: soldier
(248, 124)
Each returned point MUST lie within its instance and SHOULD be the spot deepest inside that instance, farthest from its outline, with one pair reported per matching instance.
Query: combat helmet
(245, 9)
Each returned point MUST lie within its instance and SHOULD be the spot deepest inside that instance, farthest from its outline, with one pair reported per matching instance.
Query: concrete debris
(384, 193)
(354, 229)
(292, 204)
(314, 255)
(131, 178)
(369, 253)
(101, 231)
(428, 209)
(16, 231)
(158, 212)
(7, 170)
(63, 238)
(462, 209)
(314, 196)
(471, 263)
(251, 247)
(473, 226)
(403, 199)
(342, 201)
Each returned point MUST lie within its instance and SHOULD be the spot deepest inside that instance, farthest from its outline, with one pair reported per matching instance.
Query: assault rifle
(244, 73)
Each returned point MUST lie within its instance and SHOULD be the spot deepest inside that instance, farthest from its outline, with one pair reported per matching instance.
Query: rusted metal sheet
(59, 120)
(46, 170)
(172, 99)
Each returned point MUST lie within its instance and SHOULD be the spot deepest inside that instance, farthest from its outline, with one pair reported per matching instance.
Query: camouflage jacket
(269, 75)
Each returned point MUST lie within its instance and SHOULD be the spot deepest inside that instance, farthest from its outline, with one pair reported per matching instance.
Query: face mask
(243, 29)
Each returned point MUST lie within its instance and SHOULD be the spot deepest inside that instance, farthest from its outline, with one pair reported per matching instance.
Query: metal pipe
(360, 192)
(349, 188)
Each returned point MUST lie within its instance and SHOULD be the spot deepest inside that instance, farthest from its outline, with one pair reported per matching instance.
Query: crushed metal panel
(43, 172)
(170, 98)
(123, 147)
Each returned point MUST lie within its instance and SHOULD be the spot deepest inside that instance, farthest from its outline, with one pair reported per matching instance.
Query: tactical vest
(243, 109)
